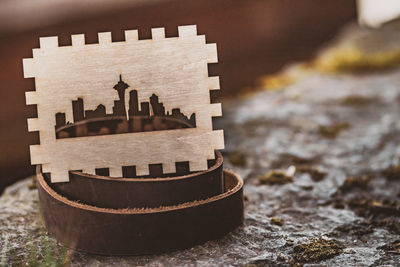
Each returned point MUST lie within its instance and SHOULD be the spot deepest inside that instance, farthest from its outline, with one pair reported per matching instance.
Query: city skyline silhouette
(144, 116)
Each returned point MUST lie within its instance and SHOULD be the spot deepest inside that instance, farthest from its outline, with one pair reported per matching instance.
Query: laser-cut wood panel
(175, 69)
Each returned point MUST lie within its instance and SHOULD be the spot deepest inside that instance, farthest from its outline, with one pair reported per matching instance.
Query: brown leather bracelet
(136, 231)
(117, 193)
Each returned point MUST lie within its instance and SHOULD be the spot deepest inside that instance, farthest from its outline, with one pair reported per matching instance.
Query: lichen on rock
(332, 131)
(276, 177)
(316, 250)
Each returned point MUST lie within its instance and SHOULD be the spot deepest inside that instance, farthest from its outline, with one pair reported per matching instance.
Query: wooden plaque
(123, 81)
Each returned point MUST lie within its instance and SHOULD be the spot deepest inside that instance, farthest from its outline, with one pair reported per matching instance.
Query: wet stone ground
(322, 185)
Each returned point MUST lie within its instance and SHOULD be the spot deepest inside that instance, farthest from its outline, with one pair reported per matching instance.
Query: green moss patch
(316, 250)
(237, 159)
(276, 221)
(275, 177)
(357, 100)
(332, 131)
(360, 229)
(393, 172)
(393, 247)
(315, 174)
(353, 182)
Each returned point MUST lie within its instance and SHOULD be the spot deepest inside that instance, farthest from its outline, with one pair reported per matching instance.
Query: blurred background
(311, 98)
(254, 37)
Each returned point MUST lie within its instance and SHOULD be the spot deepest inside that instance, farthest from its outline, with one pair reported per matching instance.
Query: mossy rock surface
(345, 190)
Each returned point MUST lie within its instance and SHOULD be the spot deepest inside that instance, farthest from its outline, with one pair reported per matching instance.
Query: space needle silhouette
(119, 105)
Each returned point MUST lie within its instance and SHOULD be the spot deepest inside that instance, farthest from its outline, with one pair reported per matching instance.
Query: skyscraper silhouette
(158, 108)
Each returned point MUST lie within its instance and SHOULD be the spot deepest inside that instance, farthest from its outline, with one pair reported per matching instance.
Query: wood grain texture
(173, 68)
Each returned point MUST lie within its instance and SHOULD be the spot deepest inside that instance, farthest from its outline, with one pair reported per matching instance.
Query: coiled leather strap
(134, 231)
